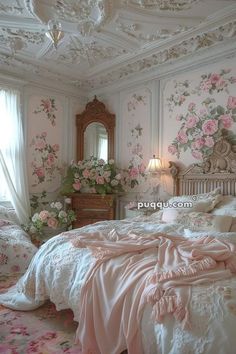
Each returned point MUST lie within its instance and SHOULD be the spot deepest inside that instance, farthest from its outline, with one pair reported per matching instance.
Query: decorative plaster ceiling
(108, 40)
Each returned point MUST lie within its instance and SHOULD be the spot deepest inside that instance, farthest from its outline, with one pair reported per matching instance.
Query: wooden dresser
(90, 208)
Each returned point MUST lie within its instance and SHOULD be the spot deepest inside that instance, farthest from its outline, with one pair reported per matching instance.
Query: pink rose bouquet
(200, 129)
(55, 217)
(92, 176)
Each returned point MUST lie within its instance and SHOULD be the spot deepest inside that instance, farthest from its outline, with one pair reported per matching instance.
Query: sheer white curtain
(12, 152)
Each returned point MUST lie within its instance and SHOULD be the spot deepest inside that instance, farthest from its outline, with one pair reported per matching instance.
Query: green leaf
(220, 110)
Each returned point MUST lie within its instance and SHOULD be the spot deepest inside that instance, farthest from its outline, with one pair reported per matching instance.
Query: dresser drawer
(92, 203)
(91, 208)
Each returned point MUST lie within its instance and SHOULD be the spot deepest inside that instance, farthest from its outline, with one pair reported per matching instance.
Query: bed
(159, 284)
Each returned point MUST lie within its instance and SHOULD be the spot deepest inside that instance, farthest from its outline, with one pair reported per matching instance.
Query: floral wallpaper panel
(44, 143)
(135, 133)
(198, 108)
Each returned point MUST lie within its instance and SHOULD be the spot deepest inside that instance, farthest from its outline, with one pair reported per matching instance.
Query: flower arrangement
(54, 218)
(93, 176)
(200, 129)
(135, 172)
(45, 159)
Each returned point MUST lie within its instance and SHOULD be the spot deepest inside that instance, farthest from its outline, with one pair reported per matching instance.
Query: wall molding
(193, 61)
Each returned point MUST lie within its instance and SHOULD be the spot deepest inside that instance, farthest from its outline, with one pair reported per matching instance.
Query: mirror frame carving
(95, 112)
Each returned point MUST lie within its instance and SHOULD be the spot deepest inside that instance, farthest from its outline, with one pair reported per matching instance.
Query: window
(13, 173)
(6, 136)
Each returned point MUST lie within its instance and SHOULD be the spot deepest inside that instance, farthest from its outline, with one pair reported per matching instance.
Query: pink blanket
(131, 270)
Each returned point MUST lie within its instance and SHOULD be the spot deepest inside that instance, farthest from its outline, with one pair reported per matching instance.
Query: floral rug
(42, 331)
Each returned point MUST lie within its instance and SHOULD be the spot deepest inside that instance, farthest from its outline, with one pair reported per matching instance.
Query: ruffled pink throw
(130, 271)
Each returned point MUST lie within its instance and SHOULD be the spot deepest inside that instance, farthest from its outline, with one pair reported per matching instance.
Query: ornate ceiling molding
(173, 5)
(31, 37)
(16, 39)
(133, 30)
(89, 15)
(186, 47)
(92, 52)
(15, 9)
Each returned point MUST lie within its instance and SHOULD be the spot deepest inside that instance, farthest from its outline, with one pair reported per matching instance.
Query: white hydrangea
(58, 205)
(62, 214)
(35, 217)
(114, 182)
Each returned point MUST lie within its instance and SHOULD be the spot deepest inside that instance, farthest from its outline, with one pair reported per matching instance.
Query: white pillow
(204, 221)
(16, 249)
(200, 203)
(227, 206)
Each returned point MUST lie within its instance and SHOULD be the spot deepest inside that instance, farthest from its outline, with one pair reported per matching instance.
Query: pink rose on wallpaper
(192, 121)
(198, 144)
(191, 106)
(231, 104)
(172, 149)
(50, 159)
(53, 223)
(48, 107)
(55, 147)
(182, 137)
(197, 155)
(142, 168)
(40, 172)
(203, 112)
(214, 78)
(100, 180)
(210, 126)
(77, 185)
(220, 84)
(206, 85)
(209, 141)
(178, 117)
(45, 159)
(133, 172)
(226, 121)
(40, 144)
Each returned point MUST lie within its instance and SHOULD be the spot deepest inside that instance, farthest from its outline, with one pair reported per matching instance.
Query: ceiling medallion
(174, 5)
(89, 14)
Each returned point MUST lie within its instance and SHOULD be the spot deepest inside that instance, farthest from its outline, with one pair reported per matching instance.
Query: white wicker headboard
(217, 170)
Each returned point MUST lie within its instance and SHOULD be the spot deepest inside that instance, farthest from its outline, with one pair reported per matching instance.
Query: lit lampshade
(54, 33)
(154, 165)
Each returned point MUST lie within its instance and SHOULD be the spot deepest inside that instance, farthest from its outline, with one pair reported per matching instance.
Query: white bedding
(58, 270)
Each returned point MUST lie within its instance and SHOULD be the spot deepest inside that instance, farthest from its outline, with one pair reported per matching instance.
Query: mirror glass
(96, 141)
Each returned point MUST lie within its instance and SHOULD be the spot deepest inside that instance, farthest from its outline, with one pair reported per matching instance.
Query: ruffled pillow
(198, 221)
(190, 203)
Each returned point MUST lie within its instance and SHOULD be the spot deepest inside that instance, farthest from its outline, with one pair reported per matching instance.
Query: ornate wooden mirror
(95, 131)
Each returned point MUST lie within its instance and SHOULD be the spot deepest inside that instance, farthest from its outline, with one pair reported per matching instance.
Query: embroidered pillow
(188, 203)
(204, 221)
